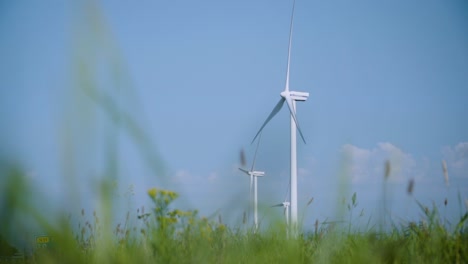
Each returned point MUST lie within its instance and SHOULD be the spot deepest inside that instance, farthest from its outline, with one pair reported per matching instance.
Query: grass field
(167, 235)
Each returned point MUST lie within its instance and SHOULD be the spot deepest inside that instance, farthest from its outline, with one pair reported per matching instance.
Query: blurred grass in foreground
(169, 235)
(165, 234)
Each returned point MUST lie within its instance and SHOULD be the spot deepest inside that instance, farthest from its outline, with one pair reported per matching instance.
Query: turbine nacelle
(299, 96)
(253, 173)
(257, 173)
(296, 96)
(283, 204)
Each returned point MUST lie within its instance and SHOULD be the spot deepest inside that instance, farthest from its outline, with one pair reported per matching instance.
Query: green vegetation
(168, 235)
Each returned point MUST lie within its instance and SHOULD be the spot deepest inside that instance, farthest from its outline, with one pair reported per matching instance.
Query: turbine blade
(286, 88)
(272, 114)
(245, 171)
(277, 205)
(293, 114)
(255, 155)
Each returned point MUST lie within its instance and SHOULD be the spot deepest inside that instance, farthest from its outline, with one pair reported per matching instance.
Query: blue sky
(387, 81)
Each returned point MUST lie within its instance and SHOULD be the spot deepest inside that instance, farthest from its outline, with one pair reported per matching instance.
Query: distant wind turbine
(285, 205)
(290, 97)
(253, 179)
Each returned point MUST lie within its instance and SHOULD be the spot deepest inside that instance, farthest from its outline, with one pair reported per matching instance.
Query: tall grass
(166, 234)
(169, 235)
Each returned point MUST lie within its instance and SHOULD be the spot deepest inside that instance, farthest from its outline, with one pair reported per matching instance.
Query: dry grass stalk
(387, 169)
(444, 169)
(316, 225)
(242, 158)
(410, 187)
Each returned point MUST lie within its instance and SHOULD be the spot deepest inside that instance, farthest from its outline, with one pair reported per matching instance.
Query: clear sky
(387, 81)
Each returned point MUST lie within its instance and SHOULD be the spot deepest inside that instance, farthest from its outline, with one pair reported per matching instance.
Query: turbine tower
(290, 97)
(253, 178)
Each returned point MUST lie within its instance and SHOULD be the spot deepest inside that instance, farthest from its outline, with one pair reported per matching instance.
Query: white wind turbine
(290, 97)
(253, 179)
(285, 205)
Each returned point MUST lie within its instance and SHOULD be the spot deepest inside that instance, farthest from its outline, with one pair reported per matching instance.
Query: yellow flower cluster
(221, 228)
(152, 193)
(165, 194)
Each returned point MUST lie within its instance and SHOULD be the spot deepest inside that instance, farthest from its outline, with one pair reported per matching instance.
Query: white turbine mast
(290, 97)
(253, 179)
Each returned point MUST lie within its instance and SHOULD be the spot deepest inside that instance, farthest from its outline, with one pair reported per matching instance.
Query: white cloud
(182, 176)
(457, 159)
(369, 164)
(302, 172)
(359, 161)
(213, 176)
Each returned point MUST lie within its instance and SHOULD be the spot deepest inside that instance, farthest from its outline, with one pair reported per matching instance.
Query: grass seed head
(242, 158)
(387, 169)
(410, 187)
(444, 169)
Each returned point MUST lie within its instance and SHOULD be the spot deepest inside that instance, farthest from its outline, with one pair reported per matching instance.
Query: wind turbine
(285, 205)
(290, 97)
(253, 179)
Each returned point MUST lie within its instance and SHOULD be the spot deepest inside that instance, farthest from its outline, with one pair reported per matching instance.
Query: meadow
(164, 234)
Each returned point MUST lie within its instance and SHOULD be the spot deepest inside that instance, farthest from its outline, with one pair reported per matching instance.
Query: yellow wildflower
(173, 195)
(152, 193)
(222, 228)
